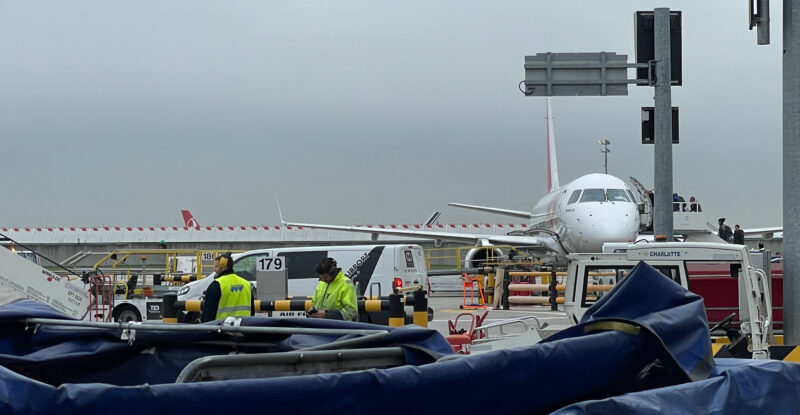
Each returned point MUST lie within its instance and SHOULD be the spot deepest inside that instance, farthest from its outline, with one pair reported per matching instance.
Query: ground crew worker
(229, 294)
(335, 296)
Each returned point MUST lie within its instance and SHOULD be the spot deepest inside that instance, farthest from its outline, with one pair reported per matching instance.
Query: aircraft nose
(610, 230)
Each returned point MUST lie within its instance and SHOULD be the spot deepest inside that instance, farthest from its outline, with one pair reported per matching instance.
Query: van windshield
(246, 267)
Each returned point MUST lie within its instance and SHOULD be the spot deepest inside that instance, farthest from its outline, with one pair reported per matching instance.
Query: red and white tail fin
(552, 166)
(189, 220)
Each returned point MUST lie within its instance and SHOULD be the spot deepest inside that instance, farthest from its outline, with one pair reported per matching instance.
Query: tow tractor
(590, 276)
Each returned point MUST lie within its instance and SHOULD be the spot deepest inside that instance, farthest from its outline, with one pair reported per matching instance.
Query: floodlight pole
(662, 114)
(605, 143)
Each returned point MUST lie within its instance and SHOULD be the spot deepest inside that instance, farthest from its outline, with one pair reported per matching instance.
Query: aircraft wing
(764, 233)
(545, 243)
(507, 212)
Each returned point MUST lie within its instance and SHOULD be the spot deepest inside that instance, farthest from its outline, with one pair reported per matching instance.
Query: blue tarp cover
(644, 345)
(737, 386)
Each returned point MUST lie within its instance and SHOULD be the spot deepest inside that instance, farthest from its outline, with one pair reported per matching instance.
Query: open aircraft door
(645, 205)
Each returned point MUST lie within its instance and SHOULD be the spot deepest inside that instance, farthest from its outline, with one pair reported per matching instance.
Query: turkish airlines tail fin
(552, 166)
(189, 220)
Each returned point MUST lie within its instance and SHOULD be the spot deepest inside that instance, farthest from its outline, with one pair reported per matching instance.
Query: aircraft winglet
(280, 214)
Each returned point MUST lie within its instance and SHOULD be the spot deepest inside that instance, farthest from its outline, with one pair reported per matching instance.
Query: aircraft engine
(478, 256)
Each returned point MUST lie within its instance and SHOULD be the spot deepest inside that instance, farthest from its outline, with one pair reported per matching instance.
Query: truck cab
(591, 276)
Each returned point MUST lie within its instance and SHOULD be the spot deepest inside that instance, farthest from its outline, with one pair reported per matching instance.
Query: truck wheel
(193, 318)
(126, 313)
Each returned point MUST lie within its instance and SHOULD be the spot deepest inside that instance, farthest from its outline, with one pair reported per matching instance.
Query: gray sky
(358, 111)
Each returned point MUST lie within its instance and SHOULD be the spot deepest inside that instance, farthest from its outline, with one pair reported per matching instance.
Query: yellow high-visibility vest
(235, 299)
(339, 295)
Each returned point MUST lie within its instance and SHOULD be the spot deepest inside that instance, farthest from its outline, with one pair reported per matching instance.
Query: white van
(374, 269)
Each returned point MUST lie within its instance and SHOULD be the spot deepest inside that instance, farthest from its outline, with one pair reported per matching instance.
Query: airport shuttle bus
(374, 269)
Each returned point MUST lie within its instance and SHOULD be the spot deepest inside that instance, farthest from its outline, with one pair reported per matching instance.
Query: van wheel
(193, 318)
(126, 313)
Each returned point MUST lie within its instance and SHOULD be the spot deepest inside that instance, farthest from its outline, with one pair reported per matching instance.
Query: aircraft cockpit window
(617, 195)
(593, 195)
(574, 198)
(633, 199)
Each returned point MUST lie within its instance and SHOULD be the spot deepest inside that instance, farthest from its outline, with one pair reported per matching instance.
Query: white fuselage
(603, 210)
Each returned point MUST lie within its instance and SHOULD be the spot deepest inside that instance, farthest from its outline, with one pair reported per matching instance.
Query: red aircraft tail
(189, 220)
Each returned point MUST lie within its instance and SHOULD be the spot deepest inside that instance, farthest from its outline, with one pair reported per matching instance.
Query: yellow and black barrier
(283, 305)
(169, 313)
(182, 278)
(394, 304)
(397, 315)
(777, 352)
(420, 303)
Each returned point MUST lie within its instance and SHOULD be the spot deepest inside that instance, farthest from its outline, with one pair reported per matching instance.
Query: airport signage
(270, 264)
(648, 125)
(644, 41)
(665, 253)
(576, 74)
(154, 310)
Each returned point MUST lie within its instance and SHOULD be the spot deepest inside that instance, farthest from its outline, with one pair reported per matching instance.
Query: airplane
(189, 220)
(577, 217)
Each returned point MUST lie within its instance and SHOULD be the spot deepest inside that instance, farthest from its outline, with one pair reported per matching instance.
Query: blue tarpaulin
(62, 354)
(738, 386)
(645, 345)
(657, 304)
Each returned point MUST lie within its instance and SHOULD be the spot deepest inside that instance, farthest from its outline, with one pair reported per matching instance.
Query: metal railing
(120, 267)
(453, 258)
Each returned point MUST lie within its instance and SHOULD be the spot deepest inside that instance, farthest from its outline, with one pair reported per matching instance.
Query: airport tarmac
(532, 322)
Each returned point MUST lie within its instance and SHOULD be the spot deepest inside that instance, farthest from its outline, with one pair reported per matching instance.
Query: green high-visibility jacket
(337, 298)
(235, 299)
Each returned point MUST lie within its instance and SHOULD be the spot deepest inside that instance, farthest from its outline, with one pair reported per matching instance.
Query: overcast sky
(358, 111)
